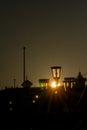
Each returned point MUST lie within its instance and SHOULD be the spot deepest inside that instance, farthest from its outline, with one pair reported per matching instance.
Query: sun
(55, 85)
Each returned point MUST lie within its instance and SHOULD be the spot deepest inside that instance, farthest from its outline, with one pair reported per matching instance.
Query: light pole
(14, 82)
(24, 63)
(56, 73)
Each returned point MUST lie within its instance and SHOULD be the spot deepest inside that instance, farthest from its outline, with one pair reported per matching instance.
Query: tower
(26, 82)
(24, 64)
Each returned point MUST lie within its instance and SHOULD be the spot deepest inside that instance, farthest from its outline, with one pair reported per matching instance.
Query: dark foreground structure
(36, 108)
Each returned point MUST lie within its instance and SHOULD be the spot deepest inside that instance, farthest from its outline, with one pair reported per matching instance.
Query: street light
(56, 72)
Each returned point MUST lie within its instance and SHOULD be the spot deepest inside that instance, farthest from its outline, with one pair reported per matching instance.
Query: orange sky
(54, 33)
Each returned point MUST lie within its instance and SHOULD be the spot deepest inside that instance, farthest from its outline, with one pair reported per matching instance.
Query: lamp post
(56, 73)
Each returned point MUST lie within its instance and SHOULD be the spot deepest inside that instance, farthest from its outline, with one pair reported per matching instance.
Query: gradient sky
(54, 33)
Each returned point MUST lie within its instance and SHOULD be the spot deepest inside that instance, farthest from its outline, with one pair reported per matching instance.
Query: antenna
(14, 82)
(79, 69)
(24, 63)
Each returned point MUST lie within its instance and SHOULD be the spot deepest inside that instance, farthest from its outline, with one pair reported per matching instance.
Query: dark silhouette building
(27, 107)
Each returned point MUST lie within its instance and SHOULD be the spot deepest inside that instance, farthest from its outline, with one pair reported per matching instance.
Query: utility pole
(14, 82)
(24, 63)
